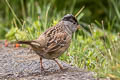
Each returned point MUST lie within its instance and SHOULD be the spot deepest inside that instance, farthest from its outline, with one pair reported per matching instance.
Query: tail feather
(31, 43)
(24, 42)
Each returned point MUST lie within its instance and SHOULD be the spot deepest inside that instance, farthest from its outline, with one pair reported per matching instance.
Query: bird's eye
(73, 22)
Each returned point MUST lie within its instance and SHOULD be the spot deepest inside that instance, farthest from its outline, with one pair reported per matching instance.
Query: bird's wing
(61, 39)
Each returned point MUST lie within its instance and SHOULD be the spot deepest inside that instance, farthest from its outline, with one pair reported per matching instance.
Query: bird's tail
(31, 43)
(24, 42)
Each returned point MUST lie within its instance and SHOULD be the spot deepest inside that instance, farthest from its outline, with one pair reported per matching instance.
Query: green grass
(94, 53)
(95, 47)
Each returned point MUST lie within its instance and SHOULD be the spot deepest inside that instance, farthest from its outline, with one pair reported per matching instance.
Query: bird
(55, 40)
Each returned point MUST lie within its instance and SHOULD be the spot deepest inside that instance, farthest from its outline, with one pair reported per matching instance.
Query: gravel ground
(20, 64)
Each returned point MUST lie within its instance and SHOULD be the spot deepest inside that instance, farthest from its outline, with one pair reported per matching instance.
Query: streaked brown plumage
(55, 40)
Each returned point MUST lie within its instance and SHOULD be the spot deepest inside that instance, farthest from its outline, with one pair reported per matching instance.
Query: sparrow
(55, 40)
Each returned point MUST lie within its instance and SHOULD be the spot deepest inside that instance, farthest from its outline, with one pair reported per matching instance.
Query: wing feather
(60, 40)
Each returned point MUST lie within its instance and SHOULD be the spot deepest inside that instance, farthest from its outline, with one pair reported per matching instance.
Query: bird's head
(72, 22)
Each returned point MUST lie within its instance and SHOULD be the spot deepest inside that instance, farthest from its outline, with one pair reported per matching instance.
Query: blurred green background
(95, 47)
(107, 10)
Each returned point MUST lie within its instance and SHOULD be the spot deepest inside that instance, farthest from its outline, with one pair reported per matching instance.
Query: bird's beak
(78, 27)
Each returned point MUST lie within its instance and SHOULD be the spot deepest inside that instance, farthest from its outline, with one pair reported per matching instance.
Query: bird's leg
(30, 50)
(41, 66)
(58, 64)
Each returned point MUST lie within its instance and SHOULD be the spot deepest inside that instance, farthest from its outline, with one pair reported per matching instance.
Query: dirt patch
(20, 64)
